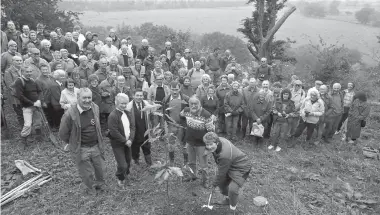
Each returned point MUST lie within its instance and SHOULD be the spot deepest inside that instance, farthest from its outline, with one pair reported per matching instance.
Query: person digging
(233, 167)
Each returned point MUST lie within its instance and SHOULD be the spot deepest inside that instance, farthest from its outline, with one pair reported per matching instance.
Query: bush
(333, 8)
(364, 15)
(314, 9)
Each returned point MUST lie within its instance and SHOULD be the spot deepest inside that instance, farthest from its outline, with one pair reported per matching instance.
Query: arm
(3, 62)
(223, 167)
(20, 93)
(65, 128)
(198, 92)
(113, 128)
(227, 107)
(320, 111)
(209, 123)
(64, 102)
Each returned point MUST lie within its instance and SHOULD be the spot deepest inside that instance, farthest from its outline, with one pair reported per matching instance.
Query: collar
(80, 109)
(210, 97)
(178, 97)
(235, 92)
(218, 148)
(120, 110)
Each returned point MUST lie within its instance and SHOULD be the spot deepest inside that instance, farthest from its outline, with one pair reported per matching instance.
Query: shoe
(120, 183)
(225, 201)
(278, 149)
(351, 142)
(137, 162)
(337, 132)
(270, 147)
(148, 159)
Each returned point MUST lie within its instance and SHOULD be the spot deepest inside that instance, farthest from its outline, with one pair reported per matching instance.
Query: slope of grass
(302, 180)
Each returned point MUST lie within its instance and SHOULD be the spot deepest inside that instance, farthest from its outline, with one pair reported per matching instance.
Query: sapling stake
(7, 195)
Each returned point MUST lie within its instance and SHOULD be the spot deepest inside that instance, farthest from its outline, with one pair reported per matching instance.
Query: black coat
(116, 129)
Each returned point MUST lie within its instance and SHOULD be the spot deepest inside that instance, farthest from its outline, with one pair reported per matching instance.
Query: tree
(262, 26)
(333, 7)
(364, 15)
(31, 12)
(314, 9)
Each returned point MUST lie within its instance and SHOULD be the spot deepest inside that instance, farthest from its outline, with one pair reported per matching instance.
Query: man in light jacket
(80, 128)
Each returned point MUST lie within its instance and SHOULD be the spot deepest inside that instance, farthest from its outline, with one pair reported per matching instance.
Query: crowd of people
(89, 90)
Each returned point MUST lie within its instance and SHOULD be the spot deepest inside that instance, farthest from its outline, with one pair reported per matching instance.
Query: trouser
(293, 123)
(222, 122)
(301, 127)
(31, 117)
(246, 121)
(136, 149)
(123, 156)
(231, 123)
(268, 127)
(320, 127)
(332, 123)
(194, 152)
(230, 188)
(179, 140)
(48, 115)
(104, 120)
(19, 114)
(239, 121)
(280, 130)
(91, 159)
(214, 75)
(344, 117)
(56, 115)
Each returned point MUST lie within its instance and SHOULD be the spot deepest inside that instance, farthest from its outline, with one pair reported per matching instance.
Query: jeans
(301, 127)
(180, 134)
(280, 130)
(230, 188)
(221, 123)
(246, 121)
(231, 123)
(194, 152)
(332, 123)
(123, 160)
(136, 149)
(91, 159)
(31, 117)
(293, 123)
(344, 117)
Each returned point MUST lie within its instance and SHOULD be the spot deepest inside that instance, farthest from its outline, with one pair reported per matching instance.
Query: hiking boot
(137, 162)
(185, 159)
(278, 149)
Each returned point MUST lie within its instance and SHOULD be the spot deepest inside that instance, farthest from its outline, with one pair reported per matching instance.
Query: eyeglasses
(297, 85)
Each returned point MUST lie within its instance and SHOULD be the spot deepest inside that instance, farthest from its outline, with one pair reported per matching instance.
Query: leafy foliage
(31, 12)
(314, 9)
(364, 15)
(333, 7)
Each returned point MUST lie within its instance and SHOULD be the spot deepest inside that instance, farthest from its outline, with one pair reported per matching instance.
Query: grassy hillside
(226, 20)
(302, 180)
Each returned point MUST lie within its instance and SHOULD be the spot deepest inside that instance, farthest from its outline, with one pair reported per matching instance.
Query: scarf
(125, 122)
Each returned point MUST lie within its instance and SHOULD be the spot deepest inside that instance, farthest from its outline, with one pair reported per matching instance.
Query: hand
(37, 103)
(228, 114)
(105, 94)
(279, 114)
(128, 143)
(44, 105)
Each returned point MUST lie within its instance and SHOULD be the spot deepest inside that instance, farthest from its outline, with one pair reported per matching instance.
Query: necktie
(139, 106)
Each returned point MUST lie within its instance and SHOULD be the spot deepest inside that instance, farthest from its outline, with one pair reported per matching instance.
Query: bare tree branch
(260, 9)
(273, 31)
(255, 54)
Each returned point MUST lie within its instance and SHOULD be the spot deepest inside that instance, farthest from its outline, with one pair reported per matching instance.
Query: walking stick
(53, 139)
(4, 121)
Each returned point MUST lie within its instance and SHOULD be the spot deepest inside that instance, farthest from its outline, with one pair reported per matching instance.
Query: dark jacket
(53, 94)
(28, 92)
(233, 103)
(185, 103)
(261, 109)
(96, 95)
(231, 162)
(70, 130)
(142, 53)
(116, 128)
(211, 106)
(72, 47)
(172, 55)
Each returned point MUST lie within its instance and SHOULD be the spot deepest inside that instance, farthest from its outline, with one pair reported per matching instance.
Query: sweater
(212, 105)
(28, 92)
(231, 162)
(116, 128)
(197, 126)
(88, 129)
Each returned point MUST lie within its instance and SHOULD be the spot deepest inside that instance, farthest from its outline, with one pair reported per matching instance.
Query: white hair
(53, 33)
(113, 58)
(168, 43)
(197, 63)
(45, 42)
(263, 59)
(337, 85)
(144, 41)
(231, 75)
(252, 80)
(109, 39)
(82, 58)
(120, 96)
(265, 81)
(58, 73)
(206, 76)
(120, 77)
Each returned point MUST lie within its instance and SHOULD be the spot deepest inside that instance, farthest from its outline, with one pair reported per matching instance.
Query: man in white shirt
(81, 37)
(187, 60)
(109, 49)
(98, 44)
